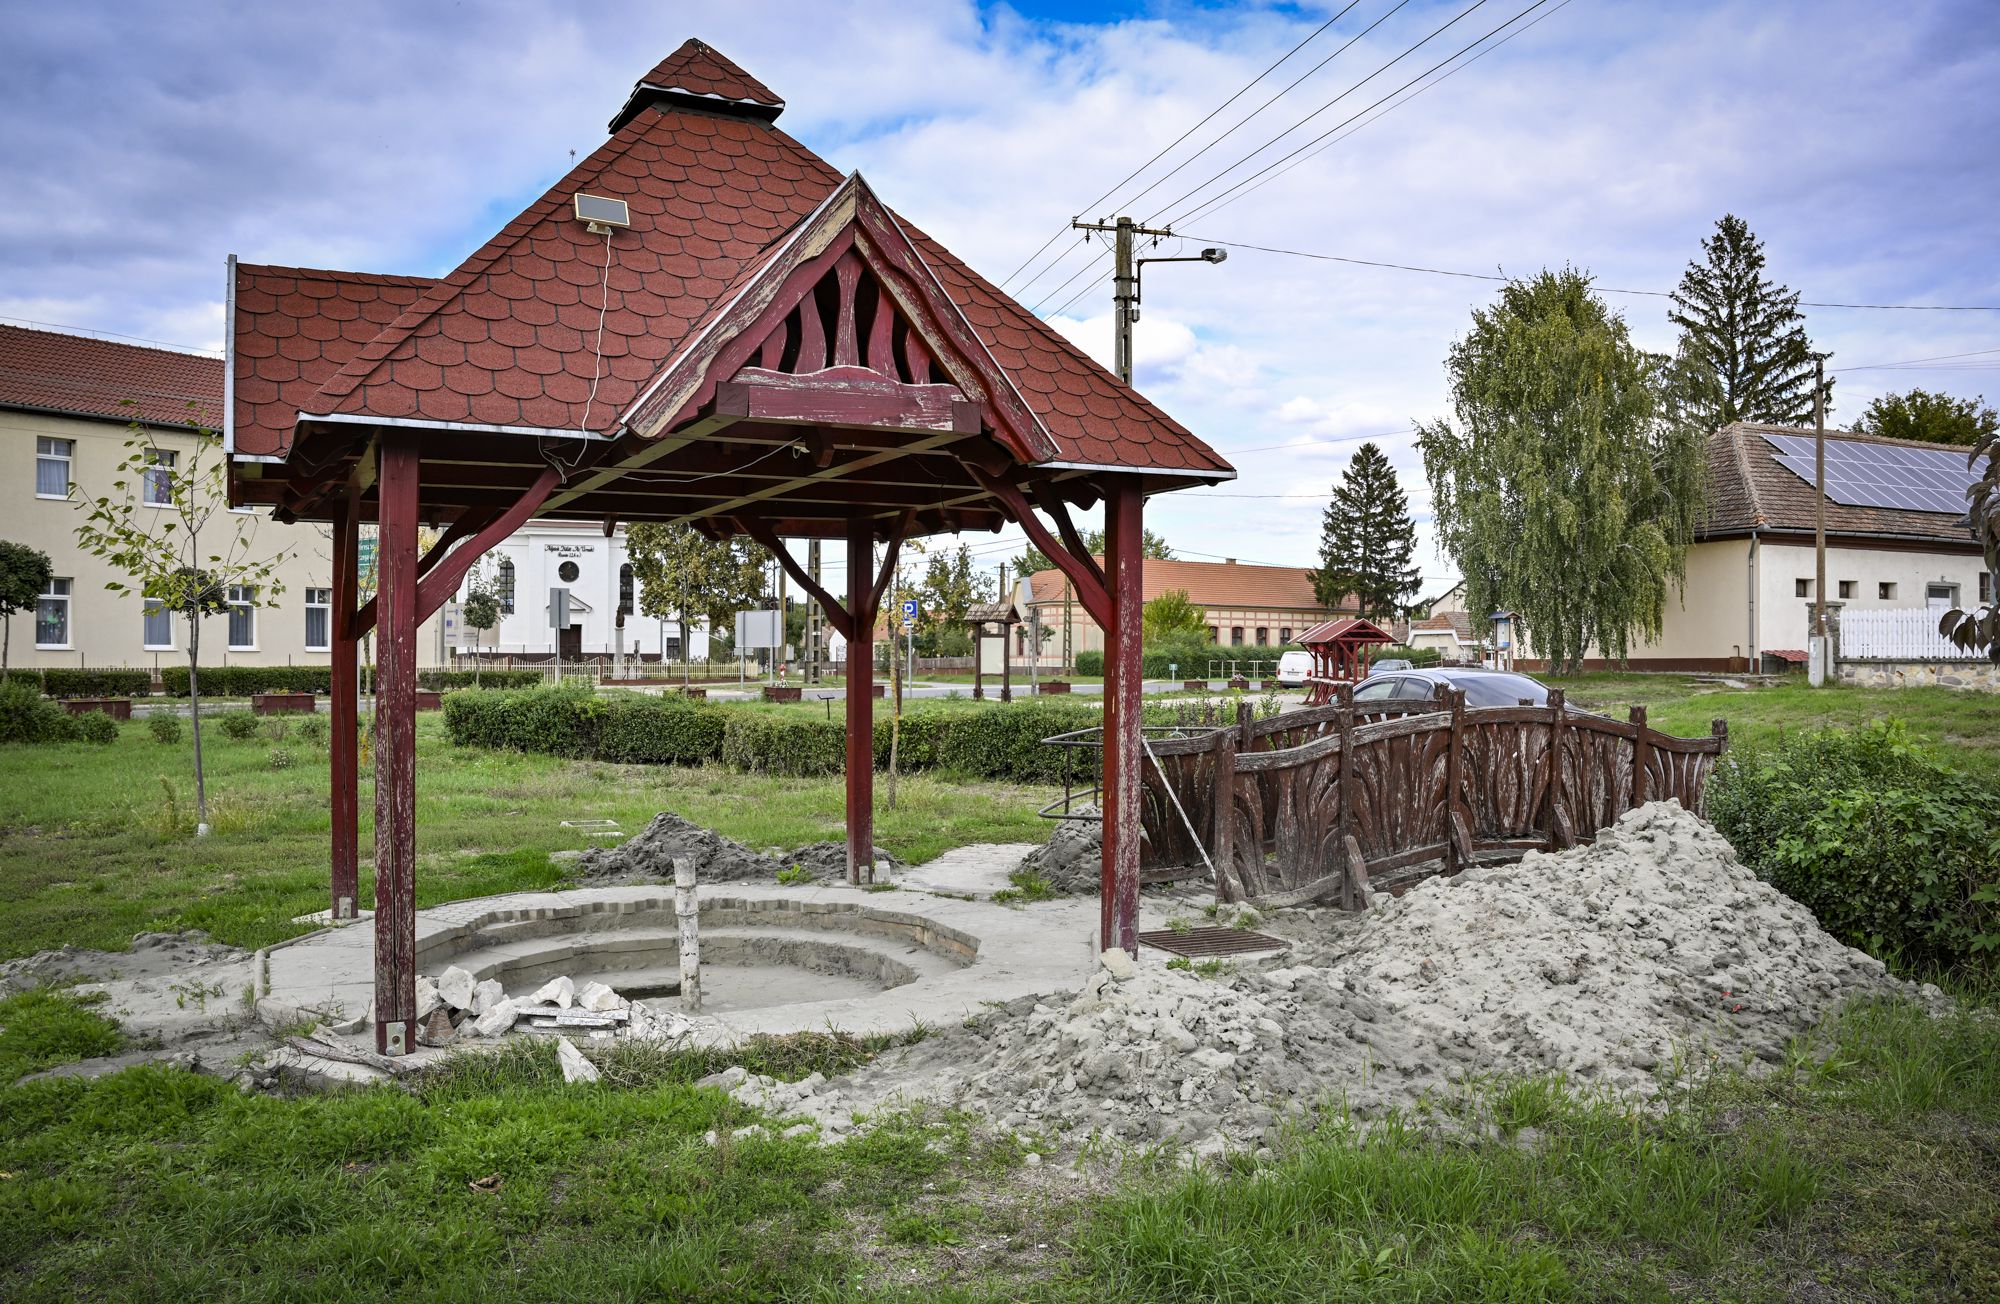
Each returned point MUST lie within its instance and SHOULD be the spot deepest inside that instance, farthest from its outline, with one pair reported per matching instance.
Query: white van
(1293, 667)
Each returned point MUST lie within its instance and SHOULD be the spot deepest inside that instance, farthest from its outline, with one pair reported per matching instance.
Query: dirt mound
(649, 857)
(1645, 958)
(1071, 860)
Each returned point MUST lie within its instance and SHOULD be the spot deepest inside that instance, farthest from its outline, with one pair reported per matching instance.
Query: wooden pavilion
(724, 332)
(1341, 650)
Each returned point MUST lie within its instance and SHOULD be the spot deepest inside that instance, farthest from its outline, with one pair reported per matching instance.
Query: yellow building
(67, 404)
(1245, 606)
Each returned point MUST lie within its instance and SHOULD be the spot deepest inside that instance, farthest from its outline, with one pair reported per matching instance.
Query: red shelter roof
(1347, 629)
(550, 329)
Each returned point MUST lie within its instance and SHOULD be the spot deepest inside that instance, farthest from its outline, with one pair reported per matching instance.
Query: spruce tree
(1367, 539)
(1743, 336)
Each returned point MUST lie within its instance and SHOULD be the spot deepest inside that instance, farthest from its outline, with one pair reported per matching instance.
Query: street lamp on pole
(1125, 282)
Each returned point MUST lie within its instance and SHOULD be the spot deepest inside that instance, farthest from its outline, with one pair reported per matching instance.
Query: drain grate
(1212, 941)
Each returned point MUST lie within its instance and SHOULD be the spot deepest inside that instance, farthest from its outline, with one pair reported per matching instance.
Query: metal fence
(1898, 634)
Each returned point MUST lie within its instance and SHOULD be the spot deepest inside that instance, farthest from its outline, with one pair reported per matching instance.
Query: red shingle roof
(295, 328)
(1211, 584)
(509, 338)
(101, 378)
(700, 71)
(1351, 629)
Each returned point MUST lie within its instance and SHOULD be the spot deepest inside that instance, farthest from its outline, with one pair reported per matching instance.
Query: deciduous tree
(1172, 615)
(1367, 539)
(24, 575)
(1742, 336)
(1567, 489)
(1978, 629)
(682, 575)
(1152, 547)
(181, 546)
(1930, 418)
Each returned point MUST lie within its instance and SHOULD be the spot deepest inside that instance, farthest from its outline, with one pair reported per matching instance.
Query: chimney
(1228, 561)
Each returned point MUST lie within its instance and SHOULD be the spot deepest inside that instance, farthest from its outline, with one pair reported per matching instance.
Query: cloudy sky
(144, 143)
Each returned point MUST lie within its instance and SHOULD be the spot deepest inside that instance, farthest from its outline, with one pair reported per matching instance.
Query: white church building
(593, 573)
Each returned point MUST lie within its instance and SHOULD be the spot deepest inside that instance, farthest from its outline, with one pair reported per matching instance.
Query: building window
(319, 619)
(1941, 595)
(625, 607)
(52, 615)
(1236, 636)
(1214, 634)
(1985, 586)
(503, 587)
(1802, 588)
(52, 458)
(1284, 637)
(1885, 591)
(243, 618)
(158, 486)
(1847, 588)
(159, 626)
(1263, 636)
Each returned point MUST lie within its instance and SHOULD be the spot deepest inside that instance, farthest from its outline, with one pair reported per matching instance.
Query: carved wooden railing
(1329, 803)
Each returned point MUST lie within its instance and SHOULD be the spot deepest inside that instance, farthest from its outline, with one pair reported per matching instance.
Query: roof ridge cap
(1749, 481)
(340, 274)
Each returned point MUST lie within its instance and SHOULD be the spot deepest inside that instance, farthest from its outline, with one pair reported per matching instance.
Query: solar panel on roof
(1883, 475)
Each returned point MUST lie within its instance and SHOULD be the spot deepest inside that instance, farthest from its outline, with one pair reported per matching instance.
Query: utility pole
(812, 615)
(1817, 660)
(1125, 290)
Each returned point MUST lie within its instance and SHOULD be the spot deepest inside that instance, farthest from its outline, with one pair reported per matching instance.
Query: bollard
(690, 921)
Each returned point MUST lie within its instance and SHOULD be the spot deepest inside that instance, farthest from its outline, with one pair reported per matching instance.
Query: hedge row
(242, 681)
(55, 681)
(28, 717)
(997, 742)
(442, 680)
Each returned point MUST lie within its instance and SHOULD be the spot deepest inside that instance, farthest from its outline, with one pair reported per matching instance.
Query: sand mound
(1650, 954)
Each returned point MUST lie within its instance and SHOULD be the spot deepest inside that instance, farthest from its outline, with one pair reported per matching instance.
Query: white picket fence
(1898, 634)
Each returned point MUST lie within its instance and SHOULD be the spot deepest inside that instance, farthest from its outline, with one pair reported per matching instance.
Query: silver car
(1481, 687)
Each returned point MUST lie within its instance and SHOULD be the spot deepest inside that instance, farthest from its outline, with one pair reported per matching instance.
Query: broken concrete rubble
(575, 1068)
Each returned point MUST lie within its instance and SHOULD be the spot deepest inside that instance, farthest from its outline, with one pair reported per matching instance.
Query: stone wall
(1976, 675)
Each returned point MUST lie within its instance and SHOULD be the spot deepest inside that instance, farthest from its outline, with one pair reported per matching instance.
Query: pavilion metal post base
(1119, 883)
(396, 745)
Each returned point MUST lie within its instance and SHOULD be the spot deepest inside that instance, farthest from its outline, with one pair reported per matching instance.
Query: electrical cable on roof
(596, 374)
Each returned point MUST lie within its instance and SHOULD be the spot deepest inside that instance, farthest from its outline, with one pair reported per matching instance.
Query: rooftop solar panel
(1882, 475)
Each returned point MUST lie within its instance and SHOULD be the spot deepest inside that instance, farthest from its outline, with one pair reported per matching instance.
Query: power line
(92, 330)
(1213, 199)
(1245, 120)
(1318, 443)
(1922, 364)
(1376, 117)
(1243, 90)
(1602, 289)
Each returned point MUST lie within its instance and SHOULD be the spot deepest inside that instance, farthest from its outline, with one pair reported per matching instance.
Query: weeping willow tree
(1569, 485)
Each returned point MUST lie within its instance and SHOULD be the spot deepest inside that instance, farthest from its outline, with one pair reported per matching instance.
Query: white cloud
(147, 143)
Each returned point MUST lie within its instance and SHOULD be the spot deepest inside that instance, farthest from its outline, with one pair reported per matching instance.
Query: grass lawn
(1869, 1168)
(94, 844)
(1965, 725)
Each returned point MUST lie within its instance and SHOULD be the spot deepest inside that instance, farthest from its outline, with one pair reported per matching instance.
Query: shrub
(1893, 851)
(759, 742)
(559, 720)
(281, 758)
(238, 724)
(242, 681)
(314, 730)
(446, 680)
(58, 682)
(1005, 742)
(1090, 663)
(164, 728)
(659, 730)
(96, 727)
(28, 717)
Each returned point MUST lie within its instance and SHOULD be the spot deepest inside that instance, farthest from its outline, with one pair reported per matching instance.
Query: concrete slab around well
(958, 954)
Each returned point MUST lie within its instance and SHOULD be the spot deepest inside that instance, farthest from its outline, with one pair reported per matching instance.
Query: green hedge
(57, 681)
(242, 681)
(1894, 852)
(444, 680)
(1090, 663)
(1186, 660)
(1002, 742)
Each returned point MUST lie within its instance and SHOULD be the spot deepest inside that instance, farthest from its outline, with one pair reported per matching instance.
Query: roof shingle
(102, 378)
(1749, 489)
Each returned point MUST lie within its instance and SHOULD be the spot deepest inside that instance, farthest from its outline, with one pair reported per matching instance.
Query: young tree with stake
(180, 545)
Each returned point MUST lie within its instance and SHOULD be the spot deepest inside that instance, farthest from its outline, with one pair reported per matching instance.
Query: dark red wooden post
(861, 702)
(344, 707)
(1118, 887)
(1640, 755)
(396, 746)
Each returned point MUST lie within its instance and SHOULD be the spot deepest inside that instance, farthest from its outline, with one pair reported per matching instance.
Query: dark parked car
(1481, 687)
